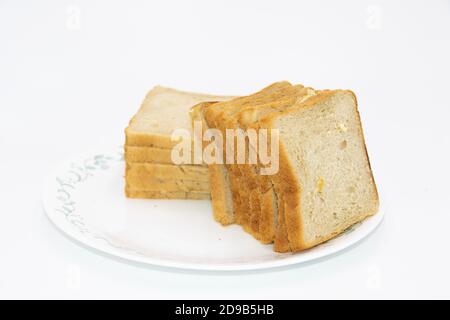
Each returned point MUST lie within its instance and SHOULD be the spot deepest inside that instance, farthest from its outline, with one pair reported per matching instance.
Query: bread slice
(148, 147)
(231, 172)
(214, 116)
(162, 111)
(140, 183)
(221, 197)
(250, 181)
(325, 179)
(139, 194)
(135, 173)
(150, 154)
(265, 219)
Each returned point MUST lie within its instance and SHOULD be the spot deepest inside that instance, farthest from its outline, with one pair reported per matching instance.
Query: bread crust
(377, 199)
(220, 191)
(269, 233)
(146, 140)
(221, 197)
(157, 171)
(216, 116)
(150, 155)
(141, 183)
(139, 194)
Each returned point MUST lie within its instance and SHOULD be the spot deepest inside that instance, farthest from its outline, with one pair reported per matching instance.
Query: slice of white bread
(139, 194)
(150, 154)
(250, 181)
(164, 181)
(225, 202)
(221, 197)
(214, 116)
(148, 147)
(162, 111)
(266, 221)
(325, 179)
(143, 184)
(226, 180)
(136, 172)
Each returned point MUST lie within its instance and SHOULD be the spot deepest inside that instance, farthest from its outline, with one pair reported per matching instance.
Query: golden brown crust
(282, 242)
(139, 194)
(147, 140)
(255, 204)
(243, 117)
(222, 208)
(288, 189)
(258, 116)
(139, 183)
(220, 115)
(364, 145)
(267, 223)
(154, 171)
(221, 198)
(149, 154)
(213, 116)
(247, 111)
(241, 206)
(196, 114)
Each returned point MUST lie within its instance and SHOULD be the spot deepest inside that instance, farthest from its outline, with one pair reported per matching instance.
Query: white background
(73, 73)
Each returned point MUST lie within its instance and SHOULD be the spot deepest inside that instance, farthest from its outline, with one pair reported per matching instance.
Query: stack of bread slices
(322, 183)
(150, 169)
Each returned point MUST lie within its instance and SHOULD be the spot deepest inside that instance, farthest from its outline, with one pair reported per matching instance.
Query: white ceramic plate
(85, 199)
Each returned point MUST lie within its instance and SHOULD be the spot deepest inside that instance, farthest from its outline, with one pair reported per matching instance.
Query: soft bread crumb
(320, 184)
(342, 127)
